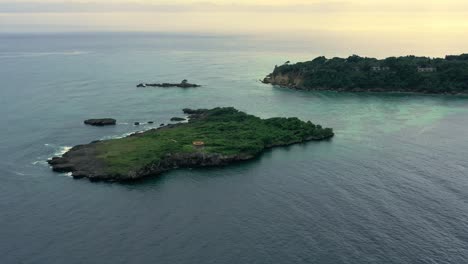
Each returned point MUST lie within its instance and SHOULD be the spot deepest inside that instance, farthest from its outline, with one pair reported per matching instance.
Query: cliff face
(81, 162)
(292, 80)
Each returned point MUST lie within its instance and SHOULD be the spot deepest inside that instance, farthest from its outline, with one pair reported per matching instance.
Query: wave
(60, 150)
(9, 55)
(123, 135)
(40, 162)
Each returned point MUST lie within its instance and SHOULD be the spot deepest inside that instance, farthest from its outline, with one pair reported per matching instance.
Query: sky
(393, 22)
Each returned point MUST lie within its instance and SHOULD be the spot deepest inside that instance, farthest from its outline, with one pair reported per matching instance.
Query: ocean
(390, 187)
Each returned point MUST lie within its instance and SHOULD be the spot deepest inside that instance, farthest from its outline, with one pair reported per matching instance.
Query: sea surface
(391, 187)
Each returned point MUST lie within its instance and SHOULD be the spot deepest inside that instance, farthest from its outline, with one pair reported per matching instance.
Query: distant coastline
(408, 74)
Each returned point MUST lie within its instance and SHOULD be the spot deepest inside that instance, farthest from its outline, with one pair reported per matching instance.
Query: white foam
(40, 162)
(146, 128)
(59, 151)
(460, 167)
(118, 136)
(62, 150)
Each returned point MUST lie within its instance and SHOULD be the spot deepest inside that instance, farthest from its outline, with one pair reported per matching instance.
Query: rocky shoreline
(296, 85)
(83, 161)
(80, 162)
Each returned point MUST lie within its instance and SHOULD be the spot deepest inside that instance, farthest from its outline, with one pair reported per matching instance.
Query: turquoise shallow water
(389, 188)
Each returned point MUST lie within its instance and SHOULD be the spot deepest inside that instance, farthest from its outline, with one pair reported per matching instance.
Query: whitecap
(187, 119)
(40, 162)
(58, 151)
(62, 150)
(147, 127)
(117, 136)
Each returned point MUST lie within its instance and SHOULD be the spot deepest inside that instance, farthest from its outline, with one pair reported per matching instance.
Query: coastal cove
(390, 186)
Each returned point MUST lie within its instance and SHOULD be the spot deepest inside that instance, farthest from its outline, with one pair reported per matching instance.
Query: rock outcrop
(290, 80)
(177, 119)
(100, 122)
(183, 84)
(81, 163)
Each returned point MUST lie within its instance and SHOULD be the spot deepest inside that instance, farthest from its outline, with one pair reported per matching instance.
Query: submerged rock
(177, 119)
(100, 122)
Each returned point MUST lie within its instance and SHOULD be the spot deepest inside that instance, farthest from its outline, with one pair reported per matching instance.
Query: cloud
(64, 7)
(355, 6)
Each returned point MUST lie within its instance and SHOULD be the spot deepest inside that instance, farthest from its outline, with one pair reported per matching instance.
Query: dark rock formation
(183, 84)
(80, 163)
(100, 122)
(177, 119)
(78, 160)
(136, 123)
(190, 111)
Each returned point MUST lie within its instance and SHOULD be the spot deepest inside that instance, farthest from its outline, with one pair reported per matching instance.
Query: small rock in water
(176, 119)
(150, 122)
(161, 125)
(136, 123)
(100, 122)
(183, 84)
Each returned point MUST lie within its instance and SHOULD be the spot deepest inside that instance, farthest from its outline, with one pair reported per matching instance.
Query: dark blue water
(391, 187)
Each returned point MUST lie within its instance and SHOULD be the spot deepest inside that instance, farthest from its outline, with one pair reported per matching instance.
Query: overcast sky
(424, 18)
